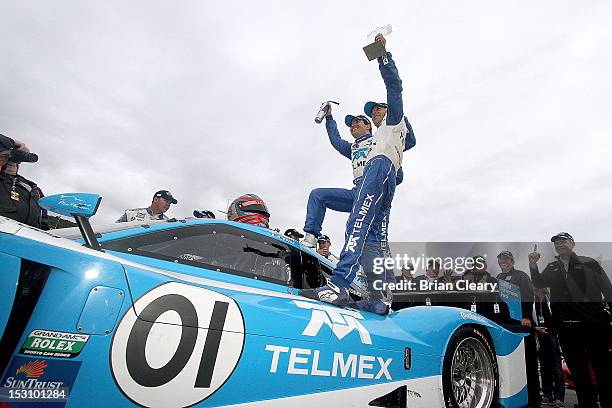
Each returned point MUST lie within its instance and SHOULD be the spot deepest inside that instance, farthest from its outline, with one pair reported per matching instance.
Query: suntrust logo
(33, 369)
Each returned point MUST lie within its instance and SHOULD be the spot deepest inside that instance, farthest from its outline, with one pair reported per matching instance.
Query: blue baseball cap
(370, 105)
(348, 120)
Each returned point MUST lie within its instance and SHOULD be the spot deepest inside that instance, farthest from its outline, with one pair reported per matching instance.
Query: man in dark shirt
(18, 195)
(505, 260)
(549, 353)
(578, 287)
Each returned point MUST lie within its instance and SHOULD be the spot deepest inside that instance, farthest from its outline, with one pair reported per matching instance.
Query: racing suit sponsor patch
(356, 229)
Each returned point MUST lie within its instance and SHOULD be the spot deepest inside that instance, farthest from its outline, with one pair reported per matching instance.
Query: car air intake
(395, 399)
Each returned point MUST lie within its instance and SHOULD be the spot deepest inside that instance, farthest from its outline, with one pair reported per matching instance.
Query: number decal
(211, 347)
(182, 347)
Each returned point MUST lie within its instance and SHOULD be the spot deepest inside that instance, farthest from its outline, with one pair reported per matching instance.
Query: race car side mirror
(81, 206)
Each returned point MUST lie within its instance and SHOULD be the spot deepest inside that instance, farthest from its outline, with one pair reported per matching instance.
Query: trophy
(376, 48)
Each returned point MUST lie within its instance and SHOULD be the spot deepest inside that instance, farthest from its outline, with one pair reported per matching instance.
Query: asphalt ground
(570, 398)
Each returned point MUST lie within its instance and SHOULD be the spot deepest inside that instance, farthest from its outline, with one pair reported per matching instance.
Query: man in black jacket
(578, 287)
(549, 353)
(18, 195)
(505, 260)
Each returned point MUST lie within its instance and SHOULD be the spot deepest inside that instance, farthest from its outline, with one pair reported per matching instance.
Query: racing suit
(140, 214)
(368, 221)
(341, 199)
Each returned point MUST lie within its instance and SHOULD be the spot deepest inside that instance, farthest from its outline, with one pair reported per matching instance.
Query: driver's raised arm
(342, 146)
(393, 83)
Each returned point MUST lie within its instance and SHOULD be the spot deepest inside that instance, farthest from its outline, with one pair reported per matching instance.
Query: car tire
(470, 376)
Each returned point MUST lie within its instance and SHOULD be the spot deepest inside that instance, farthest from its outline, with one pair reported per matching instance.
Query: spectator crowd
(565, 309)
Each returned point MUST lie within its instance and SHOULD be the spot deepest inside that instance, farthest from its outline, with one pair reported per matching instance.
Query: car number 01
(174, 350)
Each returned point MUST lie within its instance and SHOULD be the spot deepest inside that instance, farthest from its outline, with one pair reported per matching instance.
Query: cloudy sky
(510, 103)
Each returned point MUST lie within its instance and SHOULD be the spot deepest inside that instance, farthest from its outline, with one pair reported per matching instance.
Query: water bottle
(386, 30)
(323, 111)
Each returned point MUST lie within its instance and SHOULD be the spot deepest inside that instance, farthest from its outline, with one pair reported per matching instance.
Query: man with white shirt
(156, 211)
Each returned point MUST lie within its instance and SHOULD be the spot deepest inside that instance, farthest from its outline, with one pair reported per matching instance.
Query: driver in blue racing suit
(374, 192)
(341, 199)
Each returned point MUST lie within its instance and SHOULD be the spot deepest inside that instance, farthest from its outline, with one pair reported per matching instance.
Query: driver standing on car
(18, 195)
(341, 199)
(159, 205)
(374, 195)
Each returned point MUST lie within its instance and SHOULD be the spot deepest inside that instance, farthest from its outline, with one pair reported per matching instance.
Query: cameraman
(18, 195)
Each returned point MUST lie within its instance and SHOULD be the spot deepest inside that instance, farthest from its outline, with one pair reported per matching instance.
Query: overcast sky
(510, 103)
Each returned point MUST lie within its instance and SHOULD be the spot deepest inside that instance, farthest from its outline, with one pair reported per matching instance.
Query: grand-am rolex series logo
(49, 343)
(340, 321)
(182, 347)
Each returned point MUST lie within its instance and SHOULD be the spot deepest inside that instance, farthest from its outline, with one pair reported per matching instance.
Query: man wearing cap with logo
(578, 289)
(505, 260)
(367, 223)
(323, 250)
(341, 199)
(293, 234)
(159, 205)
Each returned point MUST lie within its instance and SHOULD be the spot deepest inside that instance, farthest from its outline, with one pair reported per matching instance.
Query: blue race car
(207, 313)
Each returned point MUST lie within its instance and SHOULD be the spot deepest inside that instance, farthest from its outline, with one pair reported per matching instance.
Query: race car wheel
(469, 371)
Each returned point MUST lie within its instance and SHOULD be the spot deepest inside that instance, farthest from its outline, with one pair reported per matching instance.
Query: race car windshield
(217, 247)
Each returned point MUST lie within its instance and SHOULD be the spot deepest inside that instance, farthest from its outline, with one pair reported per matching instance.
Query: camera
(19, 156)
(15, 155)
